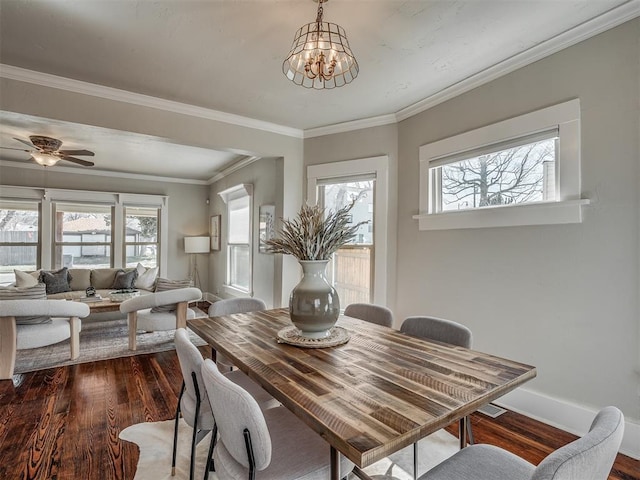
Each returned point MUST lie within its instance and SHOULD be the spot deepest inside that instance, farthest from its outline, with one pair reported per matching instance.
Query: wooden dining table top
(372, 396)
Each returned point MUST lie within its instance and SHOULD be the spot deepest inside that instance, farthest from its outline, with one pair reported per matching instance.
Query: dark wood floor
(64, 423)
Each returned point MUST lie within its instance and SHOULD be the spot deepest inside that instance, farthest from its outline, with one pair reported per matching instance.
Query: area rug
(155, 441)
(99, 340)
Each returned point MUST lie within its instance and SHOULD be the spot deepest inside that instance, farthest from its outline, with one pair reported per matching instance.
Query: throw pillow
(36, 292)
(124, 279)
(26, 279)
(56, 282)
(162, 285)
(146, 277)
(80, 279)
(103, 278)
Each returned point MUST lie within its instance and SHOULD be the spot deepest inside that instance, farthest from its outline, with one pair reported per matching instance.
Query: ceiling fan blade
(19, 149)
(28, 144)
(84, 163)
(76, 152)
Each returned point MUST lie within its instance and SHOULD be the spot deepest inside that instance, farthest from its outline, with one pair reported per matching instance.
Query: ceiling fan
(48, 151)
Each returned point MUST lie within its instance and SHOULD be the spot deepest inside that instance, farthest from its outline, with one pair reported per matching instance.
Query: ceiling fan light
(45, 159)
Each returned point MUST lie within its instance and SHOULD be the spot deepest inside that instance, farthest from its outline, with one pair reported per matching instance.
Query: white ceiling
(227, 55)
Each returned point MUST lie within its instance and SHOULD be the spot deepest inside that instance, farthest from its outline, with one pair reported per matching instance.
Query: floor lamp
(195, 245)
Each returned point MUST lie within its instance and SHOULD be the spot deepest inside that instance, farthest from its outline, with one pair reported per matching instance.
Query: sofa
(72, 283)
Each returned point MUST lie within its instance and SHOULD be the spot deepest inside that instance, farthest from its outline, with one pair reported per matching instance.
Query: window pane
(339, 195)
(83, 256)
(83, 235)
(350, 270)
(239, 220)
(522, 174)
(239, 273)
(141, 236)
(19, 224)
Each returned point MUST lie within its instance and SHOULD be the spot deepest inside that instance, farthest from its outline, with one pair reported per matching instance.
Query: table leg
(74, 326)
(335, 464)
(462, 431)
(133, 328)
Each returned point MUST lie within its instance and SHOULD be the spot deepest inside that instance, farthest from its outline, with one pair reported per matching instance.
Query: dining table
(371, 396)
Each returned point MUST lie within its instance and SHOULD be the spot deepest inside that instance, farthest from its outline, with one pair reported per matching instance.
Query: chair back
(371, 313)
(590, 457)
(438, 329)
(191, 360)
(236, 410)
(236, 305)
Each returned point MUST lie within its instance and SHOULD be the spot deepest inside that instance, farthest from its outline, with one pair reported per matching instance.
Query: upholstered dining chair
(588, 458)
(371, 313)
(64, 323)
(166, 310)
(232, 306)
(445, 331)
(274, 443)
(193, 402)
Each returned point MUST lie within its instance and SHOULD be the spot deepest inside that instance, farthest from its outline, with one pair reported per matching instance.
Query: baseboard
(210, 297)
(568, 416)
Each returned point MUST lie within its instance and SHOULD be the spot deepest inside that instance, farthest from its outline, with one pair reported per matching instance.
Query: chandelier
(320, 56)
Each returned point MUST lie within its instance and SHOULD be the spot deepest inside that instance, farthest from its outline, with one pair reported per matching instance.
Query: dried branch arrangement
(314, 236)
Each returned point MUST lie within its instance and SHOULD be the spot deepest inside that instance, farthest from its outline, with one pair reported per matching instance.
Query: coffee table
(104, 305)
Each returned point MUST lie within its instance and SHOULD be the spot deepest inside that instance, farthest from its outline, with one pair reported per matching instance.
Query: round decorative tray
(292, 336)
(122, 296)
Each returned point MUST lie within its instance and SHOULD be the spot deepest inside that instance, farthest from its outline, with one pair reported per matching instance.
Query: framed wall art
(214, 229)
(267, 225)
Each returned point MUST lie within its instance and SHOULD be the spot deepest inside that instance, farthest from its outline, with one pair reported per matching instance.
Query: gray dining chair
(193, 402)
(231, 306)
(445, 331)
(273, 442)
(588, 458)
(371, 313)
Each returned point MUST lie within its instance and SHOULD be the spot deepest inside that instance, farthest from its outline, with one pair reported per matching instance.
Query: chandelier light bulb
(320, 56)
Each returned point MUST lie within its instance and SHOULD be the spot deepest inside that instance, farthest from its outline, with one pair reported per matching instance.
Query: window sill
(235, 291)
(547, 213)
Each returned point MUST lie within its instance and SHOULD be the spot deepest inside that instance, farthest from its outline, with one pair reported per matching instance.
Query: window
(80, 229)
(239, 238)
(350, 270)
(141, 236)
(83, 236)
(353, 269)
(19, 235)
(523, 171)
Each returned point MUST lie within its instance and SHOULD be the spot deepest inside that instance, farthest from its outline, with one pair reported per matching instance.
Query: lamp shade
(196, 244)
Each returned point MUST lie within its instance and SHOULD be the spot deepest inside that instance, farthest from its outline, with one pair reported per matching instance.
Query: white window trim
(349, 168)
(565, 209)
(237, 191)
(49, 196)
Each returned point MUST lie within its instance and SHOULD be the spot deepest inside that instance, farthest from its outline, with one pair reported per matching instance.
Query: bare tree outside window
(513, 176)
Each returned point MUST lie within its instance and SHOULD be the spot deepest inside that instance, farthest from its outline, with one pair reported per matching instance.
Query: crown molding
(77, 86)
(103, 173)
(353, 125)
(590, 28)
(229, 170)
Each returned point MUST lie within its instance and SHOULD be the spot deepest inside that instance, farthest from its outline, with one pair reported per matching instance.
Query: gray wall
(266, 177)
(563, 298)
(187, 207)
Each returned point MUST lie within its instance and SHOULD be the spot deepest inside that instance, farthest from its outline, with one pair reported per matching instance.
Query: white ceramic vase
(314, 306)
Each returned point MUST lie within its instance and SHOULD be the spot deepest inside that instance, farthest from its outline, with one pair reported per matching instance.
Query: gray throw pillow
(125, 280)
(162, 285)
(37, 292)
(56, 282)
